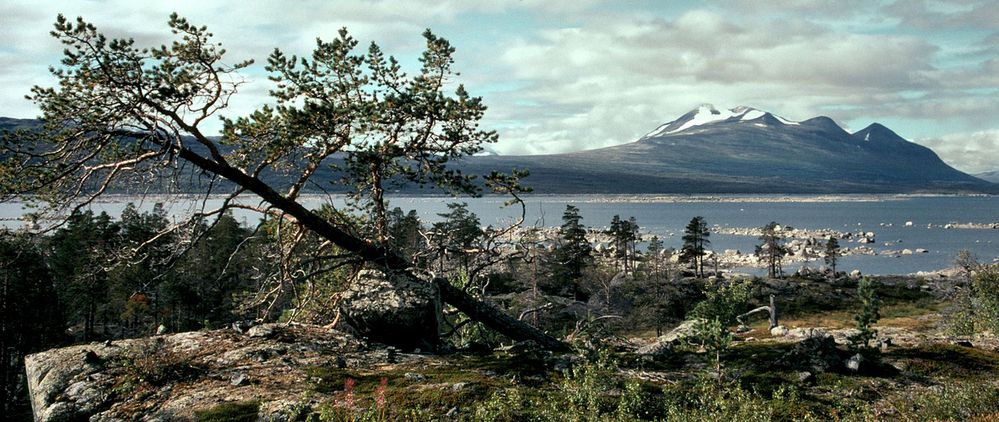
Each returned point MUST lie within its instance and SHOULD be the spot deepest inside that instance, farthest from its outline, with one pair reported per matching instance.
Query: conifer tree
(30, 317)
(870, 312)
(772, 250)
(832, 254)
(573, 254)
(695, 240)
(122, 117)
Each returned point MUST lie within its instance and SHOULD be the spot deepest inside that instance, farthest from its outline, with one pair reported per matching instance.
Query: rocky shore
(803, 245)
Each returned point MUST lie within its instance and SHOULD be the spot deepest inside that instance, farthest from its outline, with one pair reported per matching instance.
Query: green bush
(590, 391)
(977, 309)
(715, 338)
(959, 319)
(708, 401)
(958, 402)
(985, 291)
(724, 302)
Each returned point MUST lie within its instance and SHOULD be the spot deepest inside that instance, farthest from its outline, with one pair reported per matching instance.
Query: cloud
(247, 30)
(609, 82)
(973, 152)
(945, 15)
(562, 75)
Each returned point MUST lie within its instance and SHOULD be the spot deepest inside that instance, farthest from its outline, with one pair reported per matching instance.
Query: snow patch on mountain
(707, 114)
(753, 114)
(785, 121)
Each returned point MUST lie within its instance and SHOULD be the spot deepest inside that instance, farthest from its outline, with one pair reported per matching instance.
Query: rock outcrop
(393, 310)
(171, 377)
(814, 354)
(666, 342)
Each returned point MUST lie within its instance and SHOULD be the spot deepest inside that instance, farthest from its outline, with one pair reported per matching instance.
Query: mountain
(745, 150)
(989, 176)
(741, 150)
(11, 124)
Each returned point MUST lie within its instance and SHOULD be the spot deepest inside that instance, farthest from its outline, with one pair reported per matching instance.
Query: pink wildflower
(348, 391)
(380, 394)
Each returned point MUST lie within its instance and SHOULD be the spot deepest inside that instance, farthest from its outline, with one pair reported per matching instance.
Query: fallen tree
(124, 117)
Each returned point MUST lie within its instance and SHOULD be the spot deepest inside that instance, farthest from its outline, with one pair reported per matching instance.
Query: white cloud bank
(568, 75)
(974, 152)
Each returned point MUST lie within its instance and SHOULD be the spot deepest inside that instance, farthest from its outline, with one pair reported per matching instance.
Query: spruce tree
(573, 254)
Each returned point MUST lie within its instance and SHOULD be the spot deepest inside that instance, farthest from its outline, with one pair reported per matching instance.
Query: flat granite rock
(170, 377)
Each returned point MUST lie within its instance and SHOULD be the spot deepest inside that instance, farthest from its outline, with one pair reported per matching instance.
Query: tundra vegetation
(535, 324)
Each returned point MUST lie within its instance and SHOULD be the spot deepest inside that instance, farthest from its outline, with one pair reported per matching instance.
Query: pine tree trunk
(378, 255)
(495, 318)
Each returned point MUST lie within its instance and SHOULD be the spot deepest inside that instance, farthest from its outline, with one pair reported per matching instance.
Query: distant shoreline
(760, 198)
(583, 198)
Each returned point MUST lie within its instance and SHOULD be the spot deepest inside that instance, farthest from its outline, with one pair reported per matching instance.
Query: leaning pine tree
(122, 118)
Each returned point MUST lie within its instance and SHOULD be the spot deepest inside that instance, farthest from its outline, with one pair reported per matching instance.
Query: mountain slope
(989, 176)
(744, 150)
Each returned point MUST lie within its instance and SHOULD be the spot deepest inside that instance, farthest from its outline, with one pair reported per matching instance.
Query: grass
(757, 386)
(433, 389)
(919, 316)
(936, 381)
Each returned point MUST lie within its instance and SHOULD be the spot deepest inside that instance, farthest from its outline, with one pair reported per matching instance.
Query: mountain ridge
(741, 151)
(746, 150)
(991, 176)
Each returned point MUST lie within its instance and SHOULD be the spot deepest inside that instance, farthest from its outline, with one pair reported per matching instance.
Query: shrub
(977, 310)
(959, 319)
(724, 302)
(715, 338)
(156, 364)
(589, 391)
(958, 402)
(985, 291)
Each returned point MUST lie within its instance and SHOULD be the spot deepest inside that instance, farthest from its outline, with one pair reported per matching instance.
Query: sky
(566, 75)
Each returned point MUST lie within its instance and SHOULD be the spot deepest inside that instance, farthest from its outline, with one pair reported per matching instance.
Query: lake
(666, 216)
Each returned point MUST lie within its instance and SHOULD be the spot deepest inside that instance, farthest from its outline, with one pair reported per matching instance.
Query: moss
(949, 360)
(764, 383)
(758, 355)
(244, 411)
(898, 292)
